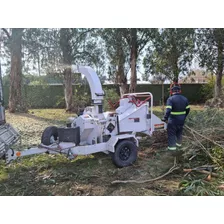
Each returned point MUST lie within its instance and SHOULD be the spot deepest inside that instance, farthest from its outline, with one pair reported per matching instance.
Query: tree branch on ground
(173, 168)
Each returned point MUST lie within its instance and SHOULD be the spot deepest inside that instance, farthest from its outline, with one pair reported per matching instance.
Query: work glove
(164, 120)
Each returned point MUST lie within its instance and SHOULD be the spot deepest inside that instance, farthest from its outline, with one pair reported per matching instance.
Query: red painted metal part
(134, 100)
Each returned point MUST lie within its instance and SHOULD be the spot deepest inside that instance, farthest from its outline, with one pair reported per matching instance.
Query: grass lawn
(86, 175)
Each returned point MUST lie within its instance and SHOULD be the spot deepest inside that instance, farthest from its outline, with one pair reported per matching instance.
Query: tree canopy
(165, 54)
(171, 53)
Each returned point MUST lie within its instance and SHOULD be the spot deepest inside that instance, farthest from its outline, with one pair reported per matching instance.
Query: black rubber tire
(125, 154)
(48, 133)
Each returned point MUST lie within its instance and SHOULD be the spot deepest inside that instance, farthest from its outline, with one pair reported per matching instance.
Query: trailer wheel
(125, 153)
(49, 135)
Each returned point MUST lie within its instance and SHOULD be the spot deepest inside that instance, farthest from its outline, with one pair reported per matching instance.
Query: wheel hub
(125, 153)
(52, 139)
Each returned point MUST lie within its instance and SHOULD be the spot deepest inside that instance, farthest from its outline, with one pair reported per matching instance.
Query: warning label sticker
(135, 119)
(158, 126)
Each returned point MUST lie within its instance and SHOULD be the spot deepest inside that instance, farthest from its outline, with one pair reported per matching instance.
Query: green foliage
(28, 80)
(38, 82)
(171, 53)
(94, 53)
(218, 154)
(112, 96)
(210, 50)
(207, 133)
(207, 121)
(60, 101)
(207, 91)
(5, 80)
(208, 41)
(81, 97)
(117, 51)
(45, 96)
(199, 187)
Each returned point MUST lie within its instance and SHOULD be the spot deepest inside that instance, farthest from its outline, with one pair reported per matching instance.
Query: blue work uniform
(177, 109)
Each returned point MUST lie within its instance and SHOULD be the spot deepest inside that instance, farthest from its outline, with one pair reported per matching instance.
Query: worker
(177, 109)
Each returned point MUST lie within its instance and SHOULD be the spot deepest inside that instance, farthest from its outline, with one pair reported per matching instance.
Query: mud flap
(8, 137)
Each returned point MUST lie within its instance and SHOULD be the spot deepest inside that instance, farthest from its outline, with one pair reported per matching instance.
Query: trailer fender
(111, 144)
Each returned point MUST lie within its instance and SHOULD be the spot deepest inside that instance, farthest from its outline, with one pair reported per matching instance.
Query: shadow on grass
(32, 116)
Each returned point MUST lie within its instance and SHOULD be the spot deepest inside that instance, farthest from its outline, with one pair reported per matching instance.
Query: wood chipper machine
(111, 132)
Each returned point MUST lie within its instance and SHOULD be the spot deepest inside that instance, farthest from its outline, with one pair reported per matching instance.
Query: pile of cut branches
(204, 133)
(217, 102)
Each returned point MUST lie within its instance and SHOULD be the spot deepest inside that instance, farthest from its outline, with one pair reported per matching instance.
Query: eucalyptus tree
(210, 48)
(13, 41)
(72, 45)
(50, 51)
(94, 53)
(117, 51)
(171, 53)
(56, 50)
(137, 39)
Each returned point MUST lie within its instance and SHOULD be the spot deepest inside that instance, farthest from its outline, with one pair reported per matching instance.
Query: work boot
(179, 156)
(176, 153)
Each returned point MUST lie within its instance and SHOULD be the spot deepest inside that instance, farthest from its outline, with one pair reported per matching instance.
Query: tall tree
(16, 102)
(171, 53)
(72, 45)
(2, 109)
(210, 46)
(133, 59)
(57, 50)
(94, 53)
(137, 38)
(117, 53)
(66, 48)
(120, 74)
(35, 47)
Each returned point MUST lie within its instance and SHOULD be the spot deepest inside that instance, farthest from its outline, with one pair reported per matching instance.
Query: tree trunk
(120, 76)
(175, 58)
(134, 46)
(38, 62)
(123, 86)
(218, 83)
(67, 74)
(2, 108)
(176, 71)
(15, 90)
(68, 89)
(123, 89)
